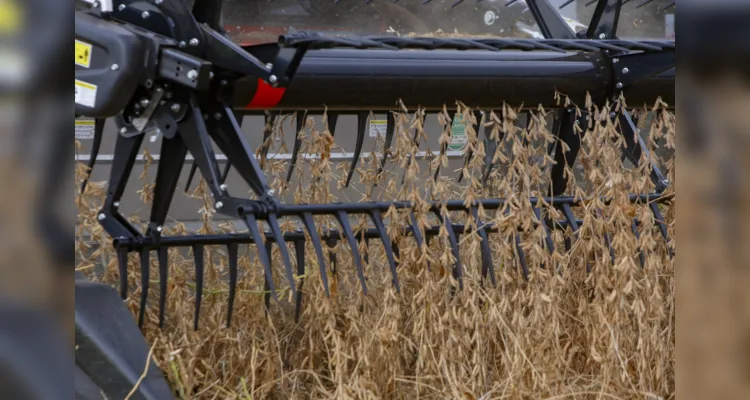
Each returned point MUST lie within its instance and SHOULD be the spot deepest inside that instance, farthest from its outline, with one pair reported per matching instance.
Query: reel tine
(361, 126)
(307, 221)
(95, 146)
(297, 144)
(343, 219)
(163, 254)
(547, 233)
(273, 223)
(389, 130)
(270, 120)
(145, 274)
(122, 267)
(488, 266)
(417, 232)
(415, 140)
(641, 256)
(191, 175)
(263, 253)
(568, 213)
(333, 119)
(268, 247)
(660, 222)
(232, 250)
(453, 239)
(377, 219)
(489, 155)
(478, 115)
(299, 250)
(331, 243)
(366, 255)
(521, 257)
(199, 268)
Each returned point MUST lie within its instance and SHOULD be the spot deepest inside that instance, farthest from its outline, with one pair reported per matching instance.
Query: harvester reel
(178, 73)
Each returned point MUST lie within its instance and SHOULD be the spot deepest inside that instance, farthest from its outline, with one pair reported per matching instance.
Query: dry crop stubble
(564, 333)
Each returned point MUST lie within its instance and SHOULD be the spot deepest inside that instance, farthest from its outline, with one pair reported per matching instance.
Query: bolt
(223, 82)
(269, 66)
(619, 85)
(159, 228)
(182, 44)
(192, 75)
(96, 4)
(217, 116)
(602, 36)
(175, 107)
(145, 15)
(194, 42)
(101, 217)
(273, 79)
(168, 95)
(223, 187)
(615, 60)
(299, 230)
(157, 2)
(144, 103)
(219, 205)
(625, 70)
(271, 192)
(612, 115)
(211, 75)
(114, 67)
(116, 204)
(149, 83)
(123, 130)
(121, 7)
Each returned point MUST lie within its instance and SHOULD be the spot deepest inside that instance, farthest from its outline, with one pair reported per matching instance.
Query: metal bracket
(603, 23)
(630, 68)
(184, 69)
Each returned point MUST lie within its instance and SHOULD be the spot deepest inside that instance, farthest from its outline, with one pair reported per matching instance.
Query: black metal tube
(351, 79)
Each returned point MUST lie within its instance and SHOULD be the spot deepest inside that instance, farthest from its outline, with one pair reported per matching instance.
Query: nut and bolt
(123, 130)
(219, 205)
(192, 74)
(144, 103)
(269, 65)
(114, 67)
(223, 187)
(175, 107)
(612, 115)
(145, 15)
(168, 95)
(101, 217)
(619, 85)
(194, 42)
(211, 75)
(602, 36)
(615, 60)
(116, 204)
(159, 228)
(157, 2)
(217, 116)
(271, 192)
(273, 79)
(625, 70)
(223, 82)
(121, 7)
(182, 44)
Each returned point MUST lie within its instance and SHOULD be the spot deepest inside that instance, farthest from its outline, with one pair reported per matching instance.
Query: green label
(458, 133)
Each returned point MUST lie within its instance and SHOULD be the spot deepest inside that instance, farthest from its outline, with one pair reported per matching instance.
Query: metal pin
(625, 70)
(101, 217)
(194, 42)
(192, 74)
(114, 67)
(145, 15)
(219, 205)
(175, 107)
(273, 79)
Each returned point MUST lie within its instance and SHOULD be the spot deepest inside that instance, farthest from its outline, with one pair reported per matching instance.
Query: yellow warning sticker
(83, 54)
(85, 94)
(85, 129)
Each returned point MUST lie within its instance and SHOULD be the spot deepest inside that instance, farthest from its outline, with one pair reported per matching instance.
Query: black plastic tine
(145, 275)
(377, 219)
(273, 223)
(198, 258)
(478, 115)
(361, 126)
(661, 223)
(299, 250)
(417, 232)
(297, 144)
(268, 292)
(563, 159)
(415, 140)
(641, 256)
(232, 254)
(95, 146)
(163, 254)
(389, 130)
(332, 119)
(548, 233)
(521, 257)
(191, 175)
(309, 223)
(122, 267)
(444, 147)
(608, 242)
(270, 120)
(366, 256)
(263, 254)
(487, 264)
(453, 239)
(573, 223)
(346, 228)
